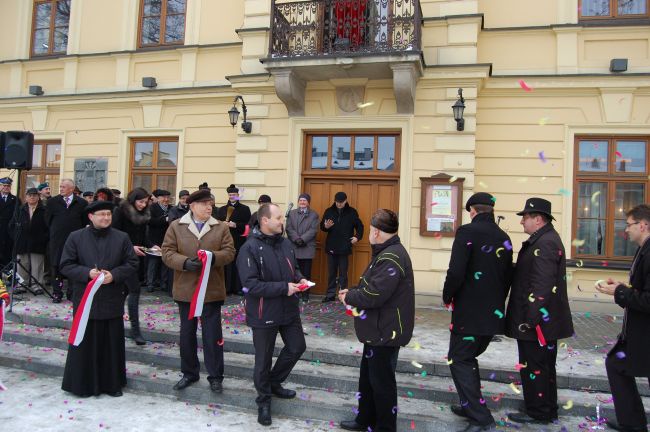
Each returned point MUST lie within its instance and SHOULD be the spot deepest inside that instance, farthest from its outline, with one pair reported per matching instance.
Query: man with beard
(98, 364)
(271, 277)
(236, 215)
(64, 214)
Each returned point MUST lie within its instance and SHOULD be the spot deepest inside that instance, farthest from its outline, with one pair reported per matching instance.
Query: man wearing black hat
(302, 227)
(8, 203)
(344, 228)
(261, 200)
(157, 272)
(88, 196)
(179, 210)
(64, 214)
(385, 309)
(236, 215)
(98, 364)
(477, 283)
(538, 311)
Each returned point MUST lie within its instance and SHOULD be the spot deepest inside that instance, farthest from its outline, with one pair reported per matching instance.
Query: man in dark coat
(30, 234)
(236, 215)
(98, 364)
(630, 356)
(157, 272)
(385, 317)
(478, 280)
(538, 311)
(302, 228)
(344, 228)
(8, 203)
(45, 192)
(64, 214)
(179, 210)
(271, 278)
(261, 200)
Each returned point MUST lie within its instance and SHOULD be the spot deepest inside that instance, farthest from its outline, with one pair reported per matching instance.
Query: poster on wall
(440, 206)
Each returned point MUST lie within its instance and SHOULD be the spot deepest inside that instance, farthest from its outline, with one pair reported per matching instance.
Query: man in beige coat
(198, 230)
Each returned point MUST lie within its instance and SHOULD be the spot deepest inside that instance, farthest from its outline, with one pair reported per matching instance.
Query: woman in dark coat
(132, 216)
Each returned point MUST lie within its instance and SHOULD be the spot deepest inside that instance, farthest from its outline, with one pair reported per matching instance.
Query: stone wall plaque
(90, 174)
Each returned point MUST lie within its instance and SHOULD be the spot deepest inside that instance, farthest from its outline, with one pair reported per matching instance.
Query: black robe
(6, 213)
(98, 364)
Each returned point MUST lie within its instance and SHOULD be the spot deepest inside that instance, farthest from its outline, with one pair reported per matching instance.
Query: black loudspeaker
(18, 150)
(2, 149)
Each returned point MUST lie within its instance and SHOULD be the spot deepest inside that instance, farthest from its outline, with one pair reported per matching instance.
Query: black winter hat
(305, 196)
(483, 198)
(99, 205)
(199, 195)
(183, 192)
(264, 199)
(160, 192)
(340, 197)
(232, 189)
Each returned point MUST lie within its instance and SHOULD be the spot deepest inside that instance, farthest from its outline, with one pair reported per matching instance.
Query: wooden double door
(366, 196)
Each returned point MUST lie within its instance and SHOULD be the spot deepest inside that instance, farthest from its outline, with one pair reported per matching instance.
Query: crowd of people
(102, 249)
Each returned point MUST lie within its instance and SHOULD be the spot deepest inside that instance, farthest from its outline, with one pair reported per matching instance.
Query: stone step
(321, 375)
(345, 354)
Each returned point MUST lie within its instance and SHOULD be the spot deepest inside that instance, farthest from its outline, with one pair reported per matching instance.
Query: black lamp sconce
(233, 113)
(459, 108)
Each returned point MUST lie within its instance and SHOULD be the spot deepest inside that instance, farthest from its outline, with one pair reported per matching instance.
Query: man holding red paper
(538, 312)
(197, 247)
(97, 260)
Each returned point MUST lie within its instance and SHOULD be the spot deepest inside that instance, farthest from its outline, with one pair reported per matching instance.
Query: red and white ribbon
(83, 311)
(2, 315)
(196, 307)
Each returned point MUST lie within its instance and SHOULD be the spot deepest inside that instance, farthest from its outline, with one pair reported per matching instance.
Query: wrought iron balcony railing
(319, 28)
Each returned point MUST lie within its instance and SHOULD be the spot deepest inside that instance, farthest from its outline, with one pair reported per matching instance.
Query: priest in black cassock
(98, 364)
(236, 215)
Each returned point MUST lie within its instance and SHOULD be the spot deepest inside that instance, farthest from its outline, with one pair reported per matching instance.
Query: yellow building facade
(547, 113)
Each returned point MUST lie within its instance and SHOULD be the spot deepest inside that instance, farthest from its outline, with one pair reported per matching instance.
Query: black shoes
(184, 382)
(57, 297)
(613, 424)
(264, 415)
(327, 299)
(216, 386)
(520, 417)
(135, 333)
(478, 428)
(115, 394)
(352, 425)
(459, 411)
(282, 393)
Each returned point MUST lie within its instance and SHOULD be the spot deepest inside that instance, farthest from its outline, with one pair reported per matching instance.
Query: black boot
(135, 333)
(134, 299)
(264, 415)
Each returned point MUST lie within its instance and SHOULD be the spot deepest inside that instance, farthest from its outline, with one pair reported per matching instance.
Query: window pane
(630, 156)
(628, 195)
(142, 180)
(37, 155)
(167, 154)
(43, 14)
(591, 212)
(60, 39)
(150, 31)
(592, 156)
(31, 181)
(41, 41)
(595, 7)
(622, 246)
(53, 180)
(175, 6)
(364, 152)
(386, 154)
(152, 7)
(167, 183)
(341, 152)
(319, 152)
(53, 156)
(143, 154)
(174, 28)
(632, 7)
(62, 17)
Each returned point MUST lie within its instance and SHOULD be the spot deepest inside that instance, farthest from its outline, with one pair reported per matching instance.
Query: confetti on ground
(416, 364)
(568, 405)
(525, 86)
(514, 388)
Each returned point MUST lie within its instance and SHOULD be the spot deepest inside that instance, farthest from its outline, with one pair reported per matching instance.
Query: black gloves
(192, 264)
(300, 242)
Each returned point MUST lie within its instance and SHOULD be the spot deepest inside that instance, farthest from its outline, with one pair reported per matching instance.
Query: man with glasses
(630, 356)
(538, 311)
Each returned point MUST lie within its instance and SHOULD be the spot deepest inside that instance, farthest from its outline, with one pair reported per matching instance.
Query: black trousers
(538, 378)
(627, 401)
(466, 376)
(157, 273)
(264, 377)
(378, 388)
(212, 341)
(231, 275)
(337, 269)
(305, 269)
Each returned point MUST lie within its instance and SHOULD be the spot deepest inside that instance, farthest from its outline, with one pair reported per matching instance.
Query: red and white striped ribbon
(196, 307)
(83, 311)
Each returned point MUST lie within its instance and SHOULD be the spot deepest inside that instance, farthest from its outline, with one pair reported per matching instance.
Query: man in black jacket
(538, 311)
(157, 272)
(64, 214)
(179, 210)
(98, 364)
(236, 215)
(477, 283)
(630, 356)
(271, 278)
(344, 228)
(385, 316)
(8, 203)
